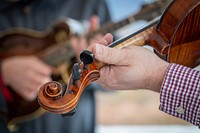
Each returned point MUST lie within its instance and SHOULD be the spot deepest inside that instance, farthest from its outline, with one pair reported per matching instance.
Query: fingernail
(98, 49)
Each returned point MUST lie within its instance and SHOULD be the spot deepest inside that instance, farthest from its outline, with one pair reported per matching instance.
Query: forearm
(180, 93)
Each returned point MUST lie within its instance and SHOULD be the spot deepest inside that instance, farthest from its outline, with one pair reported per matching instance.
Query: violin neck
(137, 38)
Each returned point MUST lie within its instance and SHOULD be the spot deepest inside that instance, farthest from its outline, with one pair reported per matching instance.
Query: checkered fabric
(180, 93)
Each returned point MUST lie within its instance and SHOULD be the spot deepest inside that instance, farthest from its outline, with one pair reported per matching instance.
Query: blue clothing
(43, 13)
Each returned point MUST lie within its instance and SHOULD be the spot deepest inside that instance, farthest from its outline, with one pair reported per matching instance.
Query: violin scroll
(52, 90)
(54, 98)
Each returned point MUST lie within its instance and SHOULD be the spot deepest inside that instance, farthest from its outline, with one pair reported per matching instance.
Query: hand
(81, 42)
(132, 67)
(25, 75)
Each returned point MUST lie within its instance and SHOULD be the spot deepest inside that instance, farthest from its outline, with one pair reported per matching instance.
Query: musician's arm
(180, 93)
(179, 86)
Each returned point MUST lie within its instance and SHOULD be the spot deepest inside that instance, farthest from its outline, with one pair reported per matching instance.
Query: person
(136, 67)
(25, 78)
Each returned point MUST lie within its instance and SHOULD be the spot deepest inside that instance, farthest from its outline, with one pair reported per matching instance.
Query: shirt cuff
(180, 93)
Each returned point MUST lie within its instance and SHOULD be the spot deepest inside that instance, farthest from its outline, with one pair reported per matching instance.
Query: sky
(120, 9)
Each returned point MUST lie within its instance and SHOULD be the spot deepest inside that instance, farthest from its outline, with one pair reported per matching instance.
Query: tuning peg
(71, 113)
(87, 57)
(76, 73)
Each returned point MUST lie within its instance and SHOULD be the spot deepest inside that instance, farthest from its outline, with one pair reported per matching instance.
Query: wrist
(158, 76)
(161, 75)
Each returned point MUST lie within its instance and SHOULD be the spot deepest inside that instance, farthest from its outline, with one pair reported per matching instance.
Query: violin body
(175, 37)
(183, 33)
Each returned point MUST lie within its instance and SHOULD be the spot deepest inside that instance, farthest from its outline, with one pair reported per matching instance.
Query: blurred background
(135, 111)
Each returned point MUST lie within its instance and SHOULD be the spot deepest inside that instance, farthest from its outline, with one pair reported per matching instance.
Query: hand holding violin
(126, 65)
(132, 67)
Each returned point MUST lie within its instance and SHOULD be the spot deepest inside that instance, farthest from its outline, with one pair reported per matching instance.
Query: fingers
(40, 66)
(30, 88)
(106, 54)
(111, 55)
(25, 75)
(107, 39)
(37, 78)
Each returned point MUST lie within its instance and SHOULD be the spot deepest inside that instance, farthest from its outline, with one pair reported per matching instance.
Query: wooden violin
(175, 36)
(53, 48)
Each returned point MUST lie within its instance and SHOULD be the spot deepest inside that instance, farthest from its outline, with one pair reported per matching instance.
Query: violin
(52, 47)
(175, 37)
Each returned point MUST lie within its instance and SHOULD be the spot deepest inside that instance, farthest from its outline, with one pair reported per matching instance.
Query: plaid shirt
(180, 93)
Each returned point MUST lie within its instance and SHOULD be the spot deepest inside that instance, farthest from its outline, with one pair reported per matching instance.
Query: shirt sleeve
(180, 93)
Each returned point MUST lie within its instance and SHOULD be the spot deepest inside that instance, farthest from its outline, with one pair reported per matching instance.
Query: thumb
(109, 55)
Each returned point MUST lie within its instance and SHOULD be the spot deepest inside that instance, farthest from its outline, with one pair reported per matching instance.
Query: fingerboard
(137, 38)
